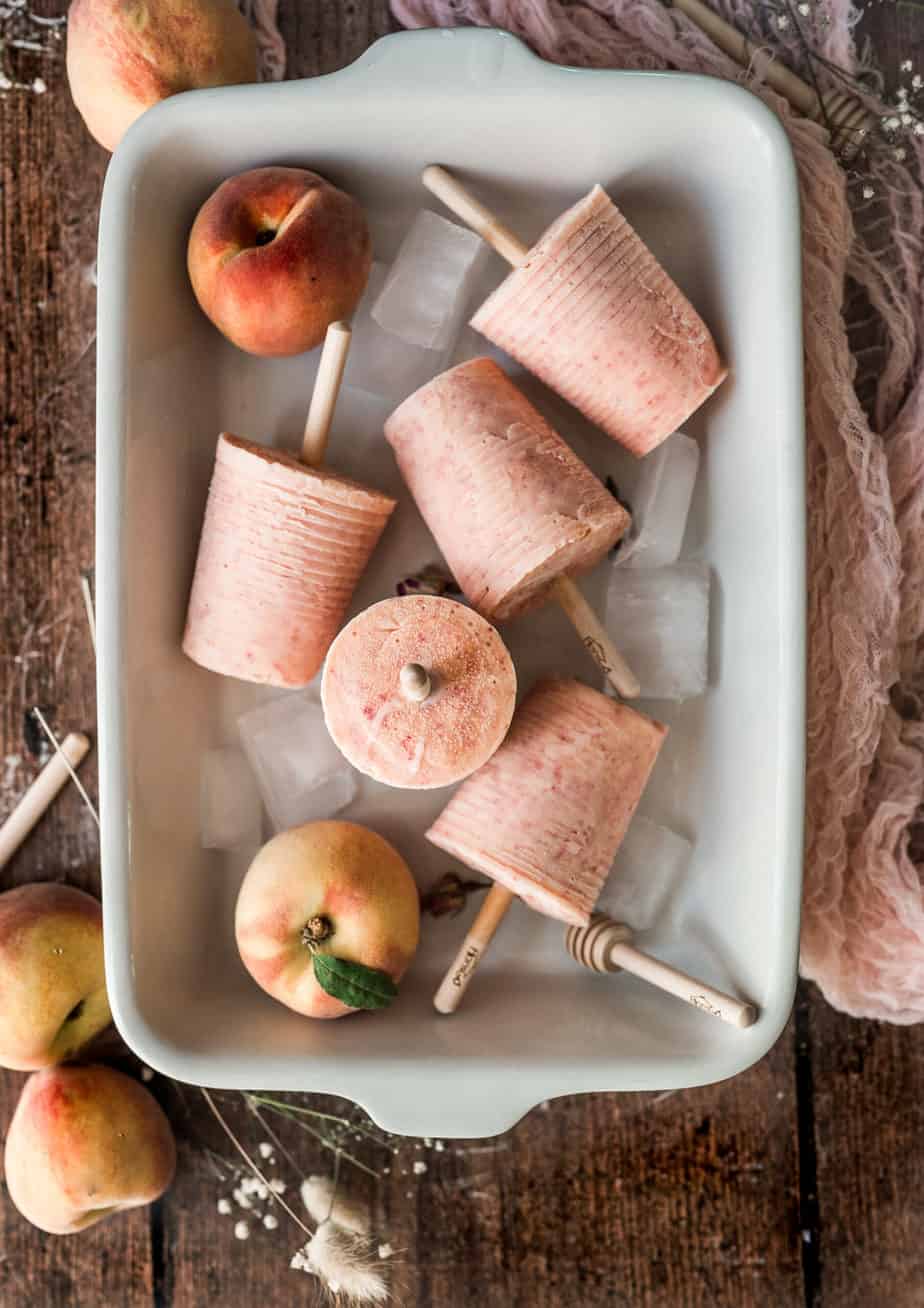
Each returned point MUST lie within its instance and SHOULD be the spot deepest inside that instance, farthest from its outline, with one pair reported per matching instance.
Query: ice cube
(301, 773)
(230, 813)
(661, 504)
(659, 619)
(651, 863)
(427, 288)
(380, 362)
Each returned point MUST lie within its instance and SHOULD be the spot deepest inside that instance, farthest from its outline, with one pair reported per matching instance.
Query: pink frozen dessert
(545, 816)
(418, 692)
(510, 505)
(283, 547)
(593, 314)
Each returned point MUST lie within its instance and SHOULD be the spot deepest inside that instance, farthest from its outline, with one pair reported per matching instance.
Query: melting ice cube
(427, 288)
(661, 504)
(301, 774)
(649, 867)
(659, 619)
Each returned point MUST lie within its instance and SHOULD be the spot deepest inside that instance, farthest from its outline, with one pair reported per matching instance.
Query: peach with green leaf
(328, 919)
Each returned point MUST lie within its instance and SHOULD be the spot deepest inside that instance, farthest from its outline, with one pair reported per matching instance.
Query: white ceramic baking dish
(705, 172)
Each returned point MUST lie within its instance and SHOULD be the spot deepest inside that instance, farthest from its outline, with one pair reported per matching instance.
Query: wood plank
(654, 1201)
(869, 1128)
(51, 176)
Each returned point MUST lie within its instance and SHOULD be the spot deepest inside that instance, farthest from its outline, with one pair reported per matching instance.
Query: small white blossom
(868, 193)
(270, 1222)
(439, 1146)
(386, 1251)
(299, 1262)
(224, 1207)
(5, 82)
(265, 1148)
(241, 1199)
(40, 86)
(782, 22)
(277, 1186)
(241, 1231)
(918, 129)
(906, 65)
(419, 1168)
(917, 82)
(890, 123)
(804, 9)
(900, 153)
(907, 120)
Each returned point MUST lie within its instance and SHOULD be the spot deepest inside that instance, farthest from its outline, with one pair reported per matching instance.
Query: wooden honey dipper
(606, 946)
(848, 120)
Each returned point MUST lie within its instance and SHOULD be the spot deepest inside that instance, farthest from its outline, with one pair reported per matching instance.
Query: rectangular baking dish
(704, 171)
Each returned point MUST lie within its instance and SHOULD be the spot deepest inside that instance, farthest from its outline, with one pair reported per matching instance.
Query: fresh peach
(85, 1142)
(275, 256)
(335, 887)
(52, 988)
(123, 56)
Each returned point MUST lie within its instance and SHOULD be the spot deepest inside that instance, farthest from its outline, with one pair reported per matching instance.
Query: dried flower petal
(449, 896)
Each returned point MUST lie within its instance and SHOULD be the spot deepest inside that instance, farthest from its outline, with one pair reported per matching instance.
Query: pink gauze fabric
(271, 48)
(863, 916)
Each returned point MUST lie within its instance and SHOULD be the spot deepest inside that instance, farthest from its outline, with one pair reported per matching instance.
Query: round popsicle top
(418, 692)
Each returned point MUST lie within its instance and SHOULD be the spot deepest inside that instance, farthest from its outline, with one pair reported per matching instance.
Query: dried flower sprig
(347, 1264)
(334, 1140)
(339, 1252)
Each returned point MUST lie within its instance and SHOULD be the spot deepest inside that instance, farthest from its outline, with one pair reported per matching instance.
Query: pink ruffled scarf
(863, 916)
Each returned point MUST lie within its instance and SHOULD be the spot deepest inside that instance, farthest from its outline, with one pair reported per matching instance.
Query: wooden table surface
(799, 1182)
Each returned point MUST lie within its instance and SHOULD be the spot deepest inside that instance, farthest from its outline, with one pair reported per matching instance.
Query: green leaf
(352, 983)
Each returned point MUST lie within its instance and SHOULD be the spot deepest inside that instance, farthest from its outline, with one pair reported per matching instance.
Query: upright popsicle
(418, 692)
(546, 814)
(591, 312)
(513, 509)
(283, 546)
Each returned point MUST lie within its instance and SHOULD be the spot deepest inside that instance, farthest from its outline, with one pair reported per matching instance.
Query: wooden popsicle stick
(324, 396)
(474, 214)
(606, 946)
(595, 638)
(455, 982)
(415, 682)
(53, 776)
(850, 121)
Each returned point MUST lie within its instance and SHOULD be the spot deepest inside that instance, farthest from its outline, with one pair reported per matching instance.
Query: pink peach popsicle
(283, 546)
(546, 814)
(513, 509)
(418, 692)
(592, 313)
